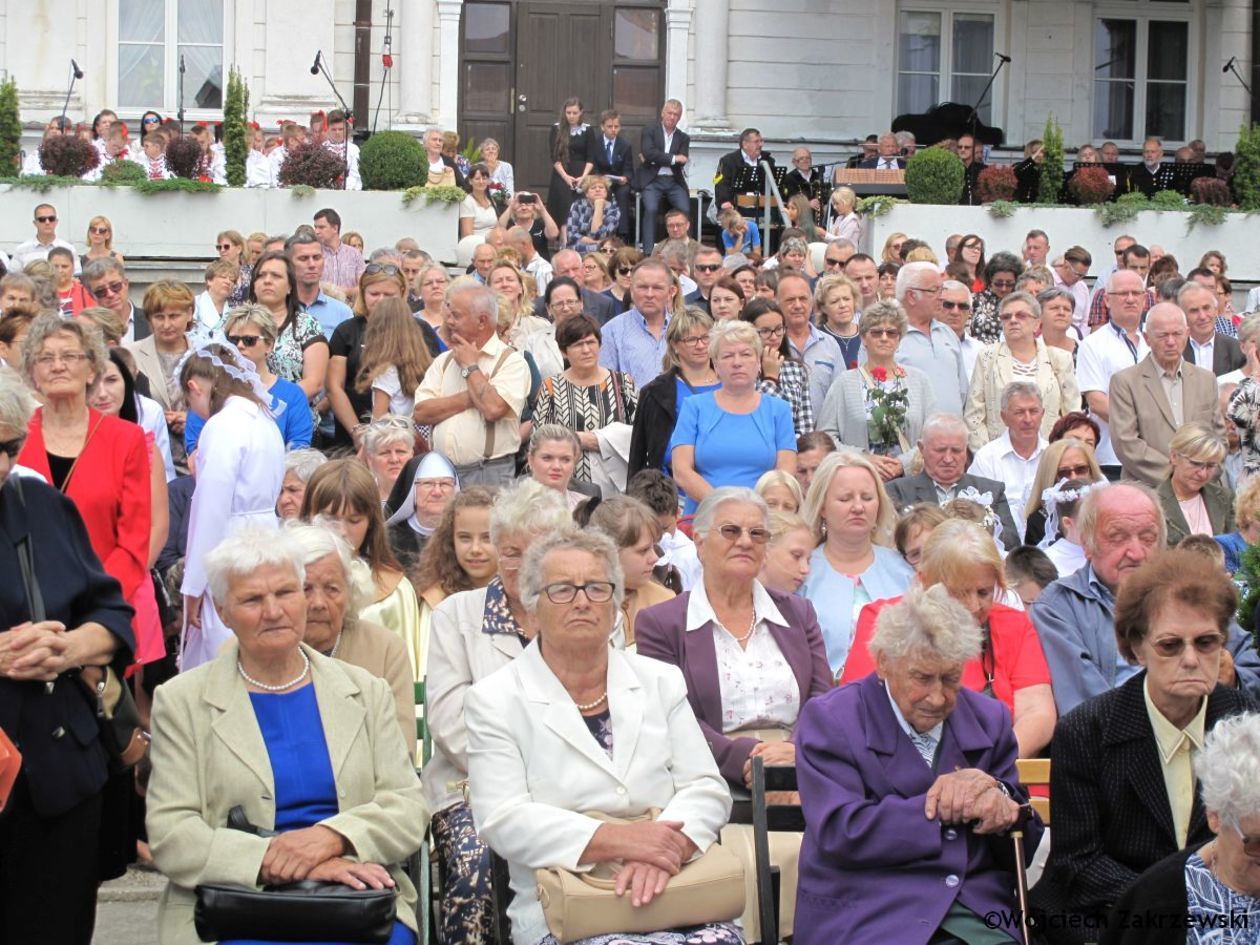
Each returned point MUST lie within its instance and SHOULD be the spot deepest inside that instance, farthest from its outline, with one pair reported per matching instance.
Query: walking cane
(1021, 886)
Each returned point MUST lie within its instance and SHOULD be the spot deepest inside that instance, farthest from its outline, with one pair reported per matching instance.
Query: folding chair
(1033, 772)
(765, 819)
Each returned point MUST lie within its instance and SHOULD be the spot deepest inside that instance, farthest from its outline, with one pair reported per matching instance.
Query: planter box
(184, 226)
(1068, 226)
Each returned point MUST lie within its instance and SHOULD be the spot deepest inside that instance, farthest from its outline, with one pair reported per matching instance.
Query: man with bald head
(567, 262)
(1150, 400)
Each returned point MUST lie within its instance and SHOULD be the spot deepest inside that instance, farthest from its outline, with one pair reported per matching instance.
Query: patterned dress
(985, 326)
(586, 409)
(1244, 413)
(1218, 914)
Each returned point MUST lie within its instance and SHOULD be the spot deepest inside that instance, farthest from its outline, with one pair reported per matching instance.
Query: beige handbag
(578, 905)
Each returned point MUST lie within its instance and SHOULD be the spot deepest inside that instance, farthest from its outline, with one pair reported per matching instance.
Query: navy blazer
(653, 156)
(55, 728)
(872, 164)
(622, 164)
(660, 632)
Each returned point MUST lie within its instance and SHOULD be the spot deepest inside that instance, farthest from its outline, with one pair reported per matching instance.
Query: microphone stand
(387, 59)
(1234, 69)
(74, 74)
(970, 124)
(345, 110)
(182, 70)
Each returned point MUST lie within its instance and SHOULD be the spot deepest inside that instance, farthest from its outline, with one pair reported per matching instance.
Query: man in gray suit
(943, 447)
(1207, 347)
(1150, 400)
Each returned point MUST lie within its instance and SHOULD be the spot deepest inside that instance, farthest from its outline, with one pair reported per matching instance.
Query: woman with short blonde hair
(1193, 500)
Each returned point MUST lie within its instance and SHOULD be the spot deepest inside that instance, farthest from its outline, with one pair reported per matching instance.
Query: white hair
(245, 552)
(316, 542)
(1228, 768)
(593, 542)
(527, 508)
(926, 623)
(910, 275)
(942, 423)
(16, 403)
(1020, 389)
(702, 524)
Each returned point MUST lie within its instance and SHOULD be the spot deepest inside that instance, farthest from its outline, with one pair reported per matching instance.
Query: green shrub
(393, 160)
(1167, 200)
(1246, 179)
(10, 128)
(236, 129)
(935, 175)
(123, 172)
(1050, 187)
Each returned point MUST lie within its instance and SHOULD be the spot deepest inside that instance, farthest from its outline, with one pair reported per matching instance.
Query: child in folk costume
(239, 465)
(154, 159)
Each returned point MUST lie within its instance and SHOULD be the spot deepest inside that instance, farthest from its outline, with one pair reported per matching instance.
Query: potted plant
(393, 160)
(312, 165)
(10, 129)
(68, 156)
(1050, 187)
(997, 182)
(935, 175)
(1210, 190)
(237, 133)
(1091, 184)
(183, 157)
(1246, 178)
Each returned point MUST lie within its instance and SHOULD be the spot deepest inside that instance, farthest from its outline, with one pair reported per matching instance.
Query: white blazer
(534, 767)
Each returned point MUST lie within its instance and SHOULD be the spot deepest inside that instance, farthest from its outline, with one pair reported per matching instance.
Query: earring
(822, 528)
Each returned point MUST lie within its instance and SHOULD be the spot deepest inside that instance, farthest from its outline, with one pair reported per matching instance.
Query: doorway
(520, 60)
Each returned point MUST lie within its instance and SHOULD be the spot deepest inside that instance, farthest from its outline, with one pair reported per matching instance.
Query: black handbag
(308, 911)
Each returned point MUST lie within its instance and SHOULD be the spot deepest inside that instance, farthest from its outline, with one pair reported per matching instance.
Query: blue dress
(306, 791)
(294, 421)
(733, 449)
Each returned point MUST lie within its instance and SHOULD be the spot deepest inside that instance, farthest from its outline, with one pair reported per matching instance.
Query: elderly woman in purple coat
(908, 786)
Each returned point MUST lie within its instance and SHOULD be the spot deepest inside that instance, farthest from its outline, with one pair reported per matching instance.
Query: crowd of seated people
(636, 523)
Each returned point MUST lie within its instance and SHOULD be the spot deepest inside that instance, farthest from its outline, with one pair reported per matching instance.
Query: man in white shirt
(1036, 248)
(1207, 348)
(45, 239)
(1113, 347)
(337, 141)
(956, 313)
(1014, 456)
(1069, 271)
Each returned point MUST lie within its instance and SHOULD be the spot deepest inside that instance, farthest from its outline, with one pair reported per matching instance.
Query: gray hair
(733, 331)
(1249, 330)
(942, 423)
(904, 138)
(702, 524)
(794, 244)
(386, 253)
(1045, 296)
(1020, 296)
(302, 463)
(910, 275)
(483, 303)
(252, 314)
(594, 543)
(102, 268)
(244, 552)
(388, 429)
(48, 324)
(926, 622)
(953, 285)
(1089, 512)
(527, 508)
(1228, 768)
(1193, 286)
(316, 542)
(547, 432)
(16, 403)
(1020, 389)
(883, 312)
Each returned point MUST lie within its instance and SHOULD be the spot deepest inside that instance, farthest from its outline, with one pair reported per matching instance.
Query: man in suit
(870, 149)
(107, 280)
(663, 151)
(1207, 347)
(802, 177)
(706, 269)
(889, 157)
(1145, 177)
(943, 448)
(614, 159)
(731, 167)
(972, 165)
(1150, 400)
(567, 262)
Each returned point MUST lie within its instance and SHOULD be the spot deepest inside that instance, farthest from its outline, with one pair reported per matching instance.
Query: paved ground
(126, 912)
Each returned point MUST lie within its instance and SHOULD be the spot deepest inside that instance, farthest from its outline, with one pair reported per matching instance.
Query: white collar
(1008, 448)
(700, 612)
(934, 732)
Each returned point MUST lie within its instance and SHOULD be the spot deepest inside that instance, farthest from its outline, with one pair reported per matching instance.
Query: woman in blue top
(854, 563)
(730, 437)
(252, 329)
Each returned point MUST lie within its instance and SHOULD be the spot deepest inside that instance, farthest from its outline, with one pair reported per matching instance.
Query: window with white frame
(943, 55)
(154, 37)
(1142, 71)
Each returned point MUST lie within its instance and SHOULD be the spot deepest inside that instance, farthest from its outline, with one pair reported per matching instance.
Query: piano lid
(947, 120)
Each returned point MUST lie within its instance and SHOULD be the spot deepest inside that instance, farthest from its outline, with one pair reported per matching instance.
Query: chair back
(422, 728)
(1035, 772)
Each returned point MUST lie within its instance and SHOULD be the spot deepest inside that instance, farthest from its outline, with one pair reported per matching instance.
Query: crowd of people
(634, 522)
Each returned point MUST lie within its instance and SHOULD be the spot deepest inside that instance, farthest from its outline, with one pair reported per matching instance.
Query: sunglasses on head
(387, 268)
(244, 341)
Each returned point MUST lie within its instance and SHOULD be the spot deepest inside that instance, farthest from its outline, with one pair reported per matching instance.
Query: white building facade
(822, 72)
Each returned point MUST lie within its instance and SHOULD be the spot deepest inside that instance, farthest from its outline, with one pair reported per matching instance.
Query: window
(154, 37)
(944, 55)
(1141, 77)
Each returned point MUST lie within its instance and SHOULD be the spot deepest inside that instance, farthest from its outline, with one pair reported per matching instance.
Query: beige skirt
(785, 850)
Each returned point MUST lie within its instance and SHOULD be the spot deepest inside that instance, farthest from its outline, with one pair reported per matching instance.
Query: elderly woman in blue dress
(474, 633)
(854, 563)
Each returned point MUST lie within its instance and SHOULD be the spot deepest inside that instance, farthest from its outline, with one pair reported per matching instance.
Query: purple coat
(660, 632)
(872, 868)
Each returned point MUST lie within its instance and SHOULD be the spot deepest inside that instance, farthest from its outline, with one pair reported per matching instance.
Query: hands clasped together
(318, 853)
(650, 851)
(971, 796)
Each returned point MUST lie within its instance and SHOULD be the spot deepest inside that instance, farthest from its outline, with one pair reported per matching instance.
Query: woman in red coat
(1011, 666)
(100, 463)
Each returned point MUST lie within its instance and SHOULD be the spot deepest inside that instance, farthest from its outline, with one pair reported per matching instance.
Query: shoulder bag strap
(489, 449)
(26, 559)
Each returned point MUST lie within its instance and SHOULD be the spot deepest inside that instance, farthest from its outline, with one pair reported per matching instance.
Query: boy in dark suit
(614, 159)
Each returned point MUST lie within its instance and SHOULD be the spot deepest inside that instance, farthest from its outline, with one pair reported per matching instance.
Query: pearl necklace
(751, 627)
(332, 654)
(306, 668)
(591, 705)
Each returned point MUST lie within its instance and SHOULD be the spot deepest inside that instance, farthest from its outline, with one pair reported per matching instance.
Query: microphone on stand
(315, 65)
(78, 73)
(75, 74)
(1228, 64)
(1006, 59)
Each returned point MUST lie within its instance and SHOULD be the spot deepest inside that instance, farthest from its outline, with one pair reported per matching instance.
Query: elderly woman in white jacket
(575, 727)
(474, 633)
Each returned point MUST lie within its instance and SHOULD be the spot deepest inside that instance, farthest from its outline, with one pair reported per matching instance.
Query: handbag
(122, 735)
(10, 765)
(578, 905)
(307, 911)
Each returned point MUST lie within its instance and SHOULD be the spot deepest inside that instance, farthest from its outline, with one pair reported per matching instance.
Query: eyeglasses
(45, 219)
(70, 359)
(11, 448)
(1079, 471)
(1009, 316)
(224, 247)
(1199, 466)
(389, 270)
(112, 288)
(707, 267)
(151, 121)
(1207, 644)
(566, 303)
(244, 341)
(933, 291)
(99, 230)
(733, 533)
(597, 592)
(771, 332)
(960, 306)
(834, 262)
(1250, 845)
(696, 341)
(624, 270)
(995, 284)
(436, 485)
(884, 332)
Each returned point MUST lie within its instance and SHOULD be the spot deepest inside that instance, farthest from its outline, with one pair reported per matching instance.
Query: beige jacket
(209, 756)
(995, 368)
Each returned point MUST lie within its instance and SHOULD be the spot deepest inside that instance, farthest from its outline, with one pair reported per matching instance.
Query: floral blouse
(1244, 413)
(759, 689)
(496, 616)
(985, 326)
(286, 358)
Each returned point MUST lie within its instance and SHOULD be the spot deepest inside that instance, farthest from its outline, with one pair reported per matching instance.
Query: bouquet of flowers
(887, 401)
(496, 193)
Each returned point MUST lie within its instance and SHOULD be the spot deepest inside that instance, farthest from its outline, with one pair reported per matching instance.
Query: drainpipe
(362, 62)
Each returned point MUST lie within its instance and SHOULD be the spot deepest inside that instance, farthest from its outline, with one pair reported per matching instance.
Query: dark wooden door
(520, 62)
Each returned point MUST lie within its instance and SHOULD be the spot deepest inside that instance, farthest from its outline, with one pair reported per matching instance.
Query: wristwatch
(468, 372)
